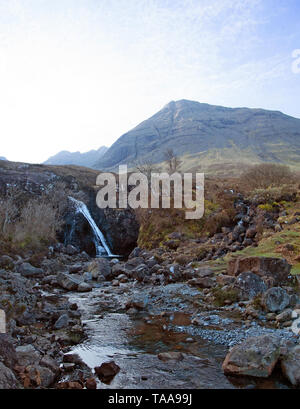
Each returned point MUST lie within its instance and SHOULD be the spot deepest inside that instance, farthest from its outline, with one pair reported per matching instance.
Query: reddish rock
(170, 356)
(277, 268)
(107, 371)
(91, 383)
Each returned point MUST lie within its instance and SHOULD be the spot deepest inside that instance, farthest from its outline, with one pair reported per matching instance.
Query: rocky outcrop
(275, 269)
(276, 299)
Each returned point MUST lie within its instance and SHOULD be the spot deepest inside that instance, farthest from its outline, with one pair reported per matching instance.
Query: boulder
(67, 282)
(276, 299)
(256, 356)
(7, 378)
(7, 351)
(71, 250)
(107, 371)
(27, 270)
(277, 268)
(84, 287)
(62, 322)
(100, 266)
(204, 282)
(290, 365)
(250, 285)
(27, 355)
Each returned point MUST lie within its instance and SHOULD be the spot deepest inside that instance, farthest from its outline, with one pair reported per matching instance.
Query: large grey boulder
(250, 285)
(100, 267)
(256, 356)
(276, 299)
(27, 355)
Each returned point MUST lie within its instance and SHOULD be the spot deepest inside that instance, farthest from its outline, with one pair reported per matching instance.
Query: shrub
(267, 175)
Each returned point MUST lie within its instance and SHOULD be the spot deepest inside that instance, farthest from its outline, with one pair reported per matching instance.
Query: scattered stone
(84, 287)
(286, 315)
(7, 378)
(27, 270)
(91, 383)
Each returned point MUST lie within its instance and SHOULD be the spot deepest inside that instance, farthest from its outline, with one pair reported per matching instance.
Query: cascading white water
(100, 242)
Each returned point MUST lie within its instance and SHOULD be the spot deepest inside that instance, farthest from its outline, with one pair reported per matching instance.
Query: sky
(77, 74)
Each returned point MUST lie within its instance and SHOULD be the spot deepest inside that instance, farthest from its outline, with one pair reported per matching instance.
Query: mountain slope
(209, 133)
(76, 158)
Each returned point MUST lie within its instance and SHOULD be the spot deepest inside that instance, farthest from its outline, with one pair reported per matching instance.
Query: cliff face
(212, 132)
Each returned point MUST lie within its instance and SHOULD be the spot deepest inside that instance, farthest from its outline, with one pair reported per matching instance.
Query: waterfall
(100, 242)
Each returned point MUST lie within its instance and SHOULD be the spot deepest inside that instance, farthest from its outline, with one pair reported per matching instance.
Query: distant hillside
(208, 134)
(2, 158)
(76, 158)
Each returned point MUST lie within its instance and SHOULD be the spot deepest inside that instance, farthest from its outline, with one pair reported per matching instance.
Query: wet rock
(75, 268)
(27, 270)
(7, 378)
(91, 383)
(107, 371)
(62, 322)
(254, 357)
(276, 299)
(276, 268)
(67, 282)
(68, 366)
(71, 250)
(69, 385)
(170, 356)
(84, 287)
(290, 365)
(250, 285)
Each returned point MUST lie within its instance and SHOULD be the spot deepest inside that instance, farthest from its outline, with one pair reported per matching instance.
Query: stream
(133, 339)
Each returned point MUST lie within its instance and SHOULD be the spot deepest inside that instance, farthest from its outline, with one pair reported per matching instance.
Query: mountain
(202, 133)
(2, 158)
(76, 158)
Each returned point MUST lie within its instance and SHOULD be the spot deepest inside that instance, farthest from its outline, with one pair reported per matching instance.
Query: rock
(290, 365)
(256, 356)
(277, 268)
(276, 299)
(27, 355)
(250, 285)
(7, 263)
(286, 315)
(75, 268)
(101, 266)
(71, 250)
(68, 366)
(107, 371)
(69, 385)
(49, 363)
(27, 270)
(170, 356)
(7, 378)
(84, 287)
(251, 232)
(91, 383)
(62, 322)
(7, 351)
(204, 272)
(224, 279)
(67, 282)
(202, 282)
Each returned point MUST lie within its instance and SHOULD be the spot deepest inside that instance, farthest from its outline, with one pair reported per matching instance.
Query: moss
(222, 295)
(296, 269)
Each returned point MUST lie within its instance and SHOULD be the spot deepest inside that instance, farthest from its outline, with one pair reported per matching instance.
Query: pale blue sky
(77, 74)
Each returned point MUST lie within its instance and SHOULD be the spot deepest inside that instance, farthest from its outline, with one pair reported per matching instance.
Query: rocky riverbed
(155, 324)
